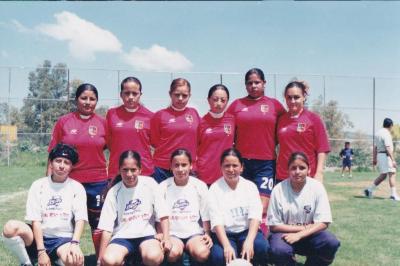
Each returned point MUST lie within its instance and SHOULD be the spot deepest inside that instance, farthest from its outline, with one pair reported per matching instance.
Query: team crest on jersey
(119, 124)
(307, 209)
(264, 108)
(181, 204)
(132, 204)
(228, 129)
(301, 127)
(245, 109)
(54, 201)
(92, 131)
(171, 120)
(139, 124)
(189, 118)
(209, 130)
(73, 131)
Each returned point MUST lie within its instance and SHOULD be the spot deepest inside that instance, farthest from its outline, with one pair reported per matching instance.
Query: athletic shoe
(368, 193)
(350, 176)
(395, 198)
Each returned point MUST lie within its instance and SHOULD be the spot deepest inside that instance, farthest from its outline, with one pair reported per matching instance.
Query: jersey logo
(132, 204)
(119, 124)
(189, 118)
(181, 204)
(54, 201)
(245, 109)
(307, 209)
(139, 124)
(228, 129)
(171, 120)
(73, 131)
(92, 131)
(209, 130)
(264, 108)
(301, 127)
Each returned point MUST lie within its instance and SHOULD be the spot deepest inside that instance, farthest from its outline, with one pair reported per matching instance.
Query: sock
(17, 246)
(393, 191)
(263, 225)
(373, 187)
(96, 237)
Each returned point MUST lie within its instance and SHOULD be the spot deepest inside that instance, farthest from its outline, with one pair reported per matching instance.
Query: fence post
(373, 110)
(8, 117)
(324, 80)
(275, 86)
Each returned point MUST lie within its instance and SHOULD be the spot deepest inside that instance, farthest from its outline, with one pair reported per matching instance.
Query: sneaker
(368, 193)
(395, 198)
(350, 176)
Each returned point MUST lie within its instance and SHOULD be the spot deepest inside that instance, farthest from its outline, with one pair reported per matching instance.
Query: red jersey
(255, 126)
(88, 136)
(214, 136)
(171, 130)
(306, 134)
(129, 131)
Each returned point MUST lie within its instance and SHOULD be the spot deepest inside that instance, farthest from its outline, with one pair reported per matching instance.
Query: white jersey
(383, 139)
(56, 205)
(131, 212)
(188, 206)
(310, 205)
(234, 208)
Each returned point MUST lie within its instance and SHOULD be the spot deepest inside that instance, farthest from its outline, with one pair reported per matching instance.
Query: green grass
(367, 228)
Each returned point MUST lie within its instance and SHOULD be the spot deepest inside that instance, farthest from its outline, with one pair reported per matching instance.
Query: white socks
(17, 246)
(393, 191)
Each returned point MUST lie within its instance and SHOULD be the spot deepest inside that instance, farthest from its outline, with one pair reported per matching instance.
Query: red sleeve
(56, 136)
(321, 135)
(155, 130)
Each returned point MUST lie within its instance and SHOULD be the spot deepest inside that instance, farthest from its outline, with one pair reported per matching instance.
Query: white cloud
(84, 38)
(19, 27)
(157, 58)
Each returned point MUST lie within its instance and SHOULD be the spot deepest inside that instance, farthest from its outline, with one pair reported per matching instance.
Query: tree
(47, 98)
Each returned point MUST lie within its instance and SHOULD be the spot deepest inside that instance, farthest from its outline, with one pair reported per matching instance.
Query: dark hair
(297, 84)
(231, 152)
(347, 143)
(86, 87)
(65, 151)
(125, 155)
(181, 151)
(217, 87)
(256, 71)
(298, 155)
(177, 83)
(387, 122)
(131, 79)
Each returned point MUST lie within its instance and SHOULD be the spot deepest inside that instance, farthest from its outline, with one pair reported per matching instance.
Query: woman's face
(86, 102)
(218, 101)
(255, 86)
(61, 167)
(180, 97)
(129, 171)
(298, 171)
(295, 100)
(180, 167)
(130, 95)
(231, 169)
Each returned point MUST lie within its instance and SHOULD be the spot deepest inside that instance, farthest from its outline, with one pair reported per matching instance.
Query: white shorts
(385, 164)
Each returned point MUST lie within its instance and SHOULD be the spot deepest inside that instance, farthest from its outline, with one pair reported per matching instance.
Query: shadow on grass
(374, 198)
(90, 260)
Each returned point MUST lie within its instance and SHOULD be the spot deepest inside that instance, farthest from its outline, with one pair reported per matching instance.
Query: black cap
(65, 151)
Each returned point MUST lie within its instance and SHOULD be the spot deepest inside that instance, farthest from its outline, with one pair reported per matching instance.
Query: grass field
(367, 228)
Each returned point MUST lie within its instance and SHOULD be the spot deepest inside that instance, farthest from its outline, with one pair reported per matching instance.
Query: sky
(337, 46)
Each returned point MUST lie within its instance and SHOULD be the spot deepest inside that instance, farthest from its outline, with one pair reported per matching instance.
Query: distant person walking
(346, 155)
(384, 157)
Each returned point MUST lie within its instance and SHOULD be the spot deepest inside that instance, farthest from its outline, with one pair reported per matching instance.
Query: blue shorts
(185, 240)
(51, 244)
(131, 244)
(346, 163)
(160, 174)
(262, 173)
(94, 194)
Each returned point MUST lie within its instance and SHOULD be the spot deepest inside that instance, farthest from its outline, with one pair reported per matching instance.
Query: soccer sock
(17, 246)
(96, 237)
(393, 191)
(373, 187)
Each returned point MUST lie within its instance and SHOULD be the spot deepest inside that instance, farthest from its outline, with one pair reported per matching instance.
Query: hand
(291, 238)
(166, 245)
(75, 255)
(207, 241)
(394, 163)
(229, 254)
(248, 250)
(43, 259)
(159, 236)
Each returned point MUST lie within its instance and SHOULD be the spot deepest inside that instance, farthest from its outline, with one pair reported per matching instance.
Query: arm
(374, 156)
(166, 242)
(75, 255)
(319, 173)
(248, 245)
(229, 252)
(206, 237)
(390, 153)
(105, 239)
(307, 230)
(43, 258)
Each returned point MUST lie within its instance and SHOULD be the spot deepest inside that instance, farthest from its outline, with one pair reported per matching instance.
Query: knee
(279, 253)
(110, 260)
(332, 244)
(153, 257)
(200, 254)
(175, 254)
(10, 229)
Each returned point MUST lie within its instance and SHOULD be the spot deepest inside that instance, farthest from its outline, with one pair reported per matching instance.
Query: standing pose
(235, 212)
(216, 133)
(256, 116)
(384, 157)
(301, 130)
(298, 216)
(187, 200)
(347, 157)
(173, 127)
(128, 127)
(86, 131)
(55, 208)
(131, 207)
